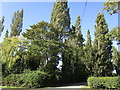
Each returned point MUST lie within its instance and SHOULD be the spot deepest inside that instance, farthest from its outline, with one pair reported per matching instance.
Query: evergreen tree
(36, 45)
(89, 41)
(115, 33)
(60, 19)
(102, 48)
(113, 8)
(74, 67)
(41, 50)
(6, 34)
(17, 23)
(1, 25)
(79, 72)
(116, 60)
(89, 61)
(78, 32)
(68, 60)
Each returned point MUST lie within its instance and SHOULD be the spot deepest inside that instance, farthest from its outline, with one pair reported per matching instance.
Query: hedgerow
(29, 79)
(104, 82)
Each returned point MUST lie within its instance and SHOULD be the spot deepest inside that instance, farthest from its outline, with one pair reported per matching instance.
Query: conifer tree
(89, 41)
(113, 7)
(60, 19)
(36, 45)
(116, 60)
(1, 25)
(17, 23)
(42, 50)
(74, 67)
(6, 34)
(102, 48)
(89, 61)
(79, 71)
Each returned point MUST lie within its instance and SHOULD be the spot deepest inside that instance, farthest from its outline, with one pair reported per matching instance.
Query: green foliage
(116, 60)
(17, 23)
(36, 45)
(6, 34)
(42, 49)
(102, 48)
(89, 54)
(60, 18)
(9, 49)
(28, 79)
(112, 6)
(104, 82)
(115, 33)
(1, 25)
(45, 45)
(73, 66)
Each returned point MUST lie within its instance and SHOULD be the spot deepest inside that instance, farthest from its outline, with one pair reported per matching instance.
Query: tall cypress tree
(78, 32)
(6, 34)
(116, 60)
(89, 41)
(60, 19)
(1, 25)
(17, 23)
(79, 70)
(102, 47)
(73, 66)
(89, 61)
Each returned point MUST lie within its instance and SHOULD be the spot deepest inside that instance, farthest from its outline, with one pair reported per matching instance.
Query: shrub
(104, 82)
(29, 79)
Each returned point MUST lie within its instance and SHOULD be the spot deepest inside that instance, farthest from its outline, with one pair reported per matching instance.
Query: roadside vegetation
(31, 59)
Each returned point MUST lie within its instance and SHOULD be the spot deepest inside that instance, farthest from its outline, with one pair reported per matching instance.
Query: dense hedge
(104, 82)
(29, 79)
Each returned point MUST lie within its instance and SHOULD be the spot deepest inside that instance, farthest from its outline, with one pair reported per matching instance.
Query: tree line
(45, 45)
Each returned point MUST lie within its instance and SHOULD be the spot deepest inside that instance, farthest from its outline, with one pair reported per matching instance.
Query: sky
(35, 12)
(54, 0)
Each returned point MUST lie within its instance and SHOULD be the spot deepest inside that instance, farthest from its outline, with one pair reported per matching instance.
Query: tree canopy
(55, 52)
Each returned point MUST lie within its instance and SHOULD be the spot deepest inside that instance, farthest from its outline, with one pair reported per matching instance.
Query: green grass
(9, 87)
(86, 87)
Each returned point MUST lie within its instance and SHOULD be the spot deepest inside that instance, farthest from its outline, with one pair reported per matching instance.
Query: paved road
(81, 86)
(76, 86)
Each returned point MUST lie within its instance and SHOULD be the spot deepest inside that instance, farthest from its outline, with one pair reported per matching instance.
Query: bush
(104, 82)
(29, 79)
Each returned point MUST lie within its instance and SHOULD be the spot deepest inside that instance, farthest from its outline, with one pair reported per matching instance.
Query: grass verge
(86, 87)
(9, 87)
